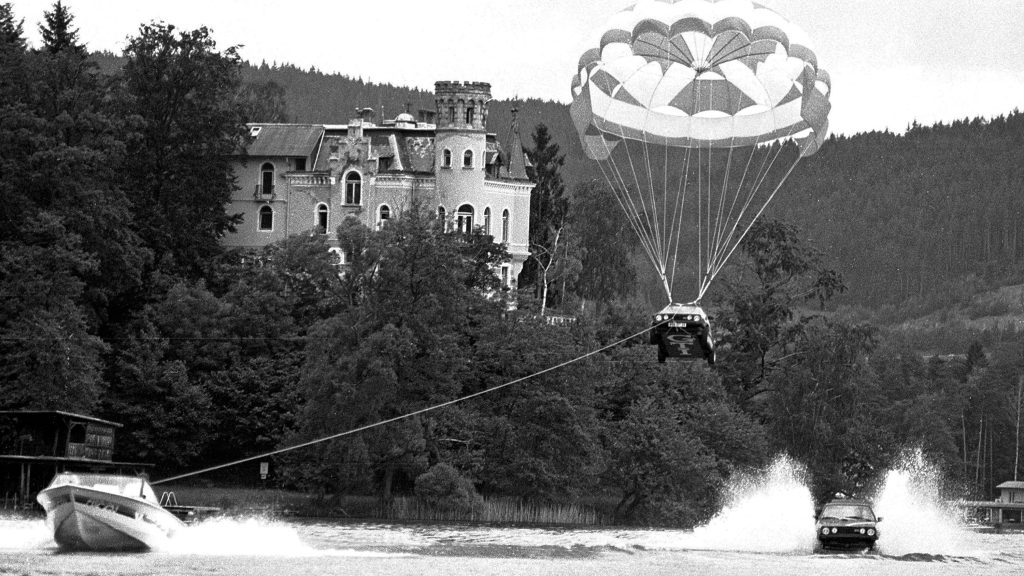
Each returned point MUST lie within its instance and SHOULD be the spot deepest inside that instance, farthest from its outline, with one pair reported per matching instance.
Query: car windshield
(848, 512)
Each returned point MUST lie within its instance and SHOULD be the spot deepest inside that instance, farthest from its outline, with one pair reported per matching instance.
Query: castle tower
(462, 105)
(461, 144)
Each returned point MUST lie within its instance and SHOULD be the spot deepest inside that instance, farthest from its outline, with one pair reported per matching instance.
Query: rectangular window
(451, 114)
(470, 115)
(300, 164)
(504, 276)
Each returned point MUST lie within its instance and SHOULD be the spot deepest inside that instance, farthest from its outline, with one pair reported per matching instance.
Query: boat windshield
(131, 486)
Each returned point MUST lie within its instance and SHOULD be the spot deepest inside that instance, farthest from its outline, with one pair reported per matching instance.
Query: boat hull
(85, 519)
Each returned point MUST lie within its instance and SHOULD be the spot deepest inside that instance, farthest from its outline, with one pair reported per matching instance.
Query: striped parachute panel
(700, 73)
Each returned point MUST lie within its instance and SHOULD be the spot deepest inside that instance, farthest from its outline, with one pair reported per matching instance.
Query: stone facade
(303, 178)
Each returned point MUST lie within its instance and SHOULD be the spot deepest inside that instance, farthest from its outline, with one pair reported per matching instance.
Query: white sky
(891, 61)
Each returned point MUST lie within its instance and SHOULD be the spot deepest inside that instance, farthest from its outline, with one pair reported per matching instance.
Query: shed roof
(284, 139)
(1012, 485)
(45, 413)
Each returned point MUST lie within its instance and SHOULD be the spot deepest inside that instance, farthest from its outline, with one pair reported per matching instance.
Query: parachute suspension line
(739, 189)
(678, 210)
(668, 224)
(759, 212)
(633, 213)
(763, 172)
(408, 414)
(658, 230)
(734, 245)
(723, 222)
(724, 252)
(700, 218)
(623, 197)
(650, 227)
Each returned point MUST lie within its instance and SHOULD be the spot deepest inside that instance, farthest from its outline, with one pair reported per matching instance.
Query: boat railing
(168, 499)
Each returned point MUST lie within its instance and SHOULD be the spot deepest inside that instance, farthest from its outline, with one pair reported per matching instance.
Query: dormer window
(446, 158)
(467, 159)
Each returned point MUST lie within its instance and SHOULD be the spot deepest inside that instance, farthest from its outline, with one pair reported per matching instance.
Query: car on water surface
(847, 523)
(683, 331)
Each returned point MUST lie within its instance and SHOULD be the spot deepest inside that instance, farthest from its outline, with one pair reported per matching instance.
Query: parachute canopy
(693, 77)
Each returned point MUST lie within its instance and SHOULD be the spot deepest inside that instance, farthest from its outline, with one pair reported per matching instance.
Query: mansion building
(307, 178)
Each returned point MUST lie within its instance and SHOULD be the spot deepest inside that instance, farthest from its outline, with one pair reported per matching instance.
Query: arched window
(467, 159)
(447, 158)
(470, 114)
(321, 218)
(464, 219)
(353, 188)
(339, 255)
(266, 218)
(504, 226)
(266, 185)
(383, 215)
(441, 216)
(487, 220)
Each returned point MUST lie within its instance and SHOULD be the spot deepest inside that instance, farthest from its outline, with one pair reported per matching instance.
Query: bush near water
(117, 299)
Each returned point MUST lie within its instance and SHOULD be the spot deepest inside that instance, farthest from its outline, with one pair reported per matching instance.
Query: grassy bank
(272, 502)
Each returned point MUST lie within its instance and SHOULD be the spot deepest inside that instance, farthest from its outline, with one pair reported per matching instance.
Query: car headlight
(824, 531)
(834, 530)
(871, 531)
(861, 530)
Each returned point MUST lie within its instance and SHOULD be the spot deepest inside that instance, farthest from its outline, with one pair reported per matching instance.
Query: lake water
(766, 528)
(285, 548)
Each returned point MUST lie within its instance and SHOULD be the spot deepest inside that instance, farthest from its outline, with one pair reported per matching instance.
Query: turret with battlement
(462, 105)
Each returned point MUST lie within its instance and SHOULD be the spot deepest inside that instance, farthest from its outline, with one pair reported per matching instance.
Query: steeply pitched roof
(417, 153)
(284, 139)
(517, 157)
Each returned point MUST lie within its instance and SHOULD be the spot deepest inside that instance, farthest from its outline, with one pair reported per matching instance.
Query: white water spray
(915, 520)
(239, 537)
(768, 512)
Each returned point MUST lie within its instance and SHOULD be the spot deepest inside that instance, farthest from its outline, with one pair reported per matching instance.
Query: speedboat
(106, 512)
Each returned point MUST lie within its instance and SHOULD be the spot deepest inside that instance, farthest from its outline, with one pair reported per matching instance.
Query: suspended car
(696, 112)
(683, 331)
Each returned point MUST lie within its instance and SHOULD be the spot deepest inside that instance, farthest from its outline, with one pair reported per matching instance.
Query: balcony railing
(77, 450)
(262, 192)
(307, 179)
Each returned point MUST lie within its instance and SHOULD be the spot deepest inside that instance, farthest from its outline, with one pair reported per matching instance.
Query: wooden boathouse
(36, 444)
(1005, 511)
